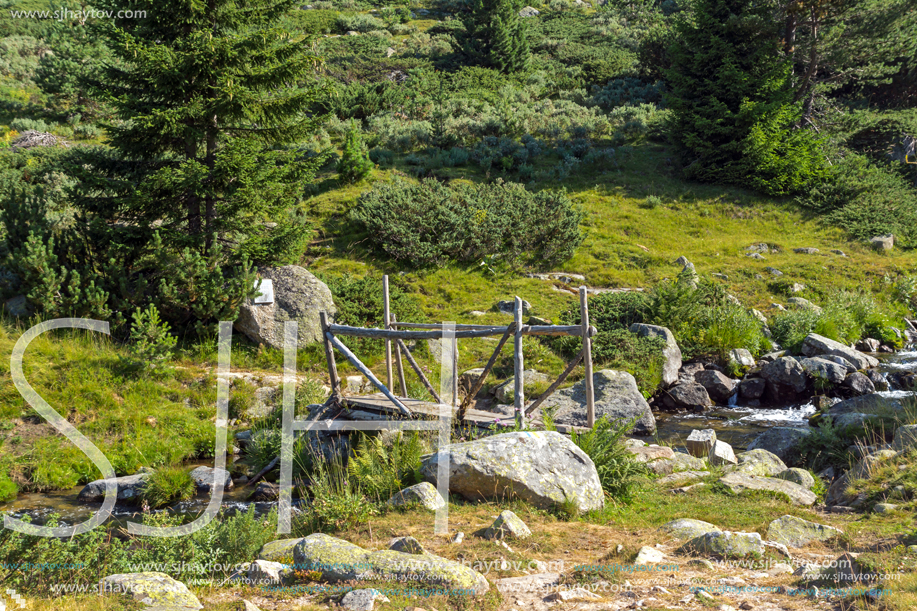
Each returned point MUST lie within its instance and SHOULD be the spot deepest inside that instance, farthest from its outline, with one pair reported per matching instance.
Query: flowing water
(735, 424)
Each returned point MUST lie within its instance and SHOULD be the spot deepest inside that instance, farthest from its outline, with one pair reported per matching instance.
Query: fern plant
(383, 467)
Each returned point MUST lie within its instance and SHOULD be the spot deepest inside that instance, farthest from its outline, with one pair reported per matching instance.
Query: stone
(508, 307)
(389, 52)
(824, 370)
(815, 344)
(786, 371)
(806, 251)
(279, 551)
(339, 560)
(265, 492)
(859, 384)
(407, 545)
(648, 454)
(528, 11)
(742, 357)
(679, 462)
(268, 573)
(719, 386)
(435, 346)
(798, 476)
(250, 606)
(689, 395)
(725, 544)
(298, 296)
(758, 462)
(362, 600)
(616, 397)
(130, 487)
(506, 525)
(739, 482)
(873, 404)
(752, 388)
(505, 392)
(756, 256)
(671, 352)
(687, 528)
(773, 271)
(573, 594)
(761, 318)
(905, 437)
(355, 384)
(424, 494)
(878, 380)
(154, 590)
(883, 243)
(868, 344)
(839, 360)
(801, 303)
(796, 532)
(782, 441)
(701, 562)
(537, 582)
(206, 478)
(544, 468)
(648, 555)
(721, 454)
(700, 442)
(263, 403)
(884, 507)
(680, 477)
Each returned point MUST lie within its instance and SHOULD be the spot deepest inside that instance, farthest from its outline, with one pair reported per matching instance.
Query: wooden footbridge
(386, 405)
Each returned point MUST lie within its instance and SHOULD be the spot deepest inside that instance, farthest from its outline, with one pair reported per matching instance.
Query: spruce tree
(497, 36)
(201, 173)
(732, 103)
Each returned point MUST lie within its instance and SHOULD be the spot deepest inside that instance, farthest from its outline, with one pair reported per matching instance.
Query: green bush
(358, 23)
(618, 472)
(381, 468)
(8, 488)
(429, 223)
(151, 342)
(337, 504)
(354, 164)
(168, 485)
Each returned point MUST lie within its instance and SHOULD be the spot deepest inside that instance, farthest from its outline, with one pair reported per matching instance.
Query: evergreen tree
(354, 163)
(497, 36)
(732, 104)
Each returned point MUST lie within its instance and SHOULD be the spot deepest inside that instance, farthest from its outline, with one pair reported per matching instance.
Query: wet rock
(506, 525)
(815, 344)
(859, 384)
(824, 370)
(700, 442)
(130, 488)
(752, 388)
(266, 492)
(544, 468)
(690, 396)
(206, 478)
(878, 380)
(424, 494)
(786, 371)
(719, 387)
(617, 397)
(874, 404)
(153, 590)
(671, 352)
(782, 441)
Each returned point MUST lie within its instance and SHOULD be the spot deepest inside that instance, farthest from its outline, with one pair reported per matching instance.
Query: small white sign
(265, 292)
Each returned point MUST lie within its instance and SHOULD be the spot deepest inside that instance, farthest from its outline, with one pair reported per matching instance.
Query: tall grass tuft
(383, 466)
(168, 485)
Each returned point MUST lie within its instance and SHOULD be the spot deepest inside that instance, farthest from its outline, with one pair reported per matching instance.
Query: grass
(168, 485)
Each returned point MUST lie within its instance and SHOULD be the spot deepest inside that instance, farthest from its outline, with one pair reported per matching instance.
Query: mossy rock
(687, 528)
(725, 544)
(279, 551)
(796, 532)
(156, 590)
(758, 462)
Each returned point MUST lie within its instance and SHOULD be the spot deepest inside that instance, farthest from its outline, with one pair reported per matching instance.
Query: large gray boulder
(130, 487)
(796, 532)
(782, 441)
(815, 345)
(299, 296)
(873, 405)
(739, 482)
(339, 560)
(824, 370)
(785, 371)
(544, 468)
(758, 462)
(671, 353)
(616, 397)
(687, 395)
(156, 591)
(719, 386)
(206, 478)
(725, 544)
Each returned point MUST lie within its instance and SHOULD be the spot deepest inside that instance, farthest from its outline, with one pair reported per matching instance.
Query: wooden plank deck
(371, 407)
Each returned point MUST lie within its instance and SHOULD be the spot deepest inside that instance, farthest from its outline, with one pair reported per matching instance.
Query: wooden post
(419, 372)
(519, 367)
(476, 388)
(454, 373)
(366, 371)
(400, 364)
(329, 355)
(387, 323)
(587, 357)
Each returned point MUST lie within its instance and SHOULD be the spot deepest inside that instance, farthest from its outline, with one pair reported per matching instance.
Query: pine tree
(354, 163)
(209, 101)
(732, 104)
(497, 36)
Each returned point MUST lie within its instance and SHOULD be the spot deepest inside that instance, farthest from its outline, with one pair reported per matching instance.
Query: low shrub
(382, 466)
(337, 504)
(168, 485)
(358, 23)
(618, 472)
(431, 224)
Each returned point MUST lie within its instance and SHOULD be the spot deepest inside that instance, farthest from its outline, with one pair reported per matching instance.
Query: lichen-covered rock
(742, 358)
(739, 482)
(424, 494)
(874, 404)
(725, 544)
(796, 532)
(279, 551)
(798, 476)
(407, 545)
(721, 454)
(130, 487)
(506, 525)
(156, 590)
(687, 528)
(298, 296)
(616, 397)
(362, 600)
(648, 454)
(679, 462)
(815, 344)
(544, 468)
(267, 572)
(782, 441)
(671, 353)
(758, 462)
